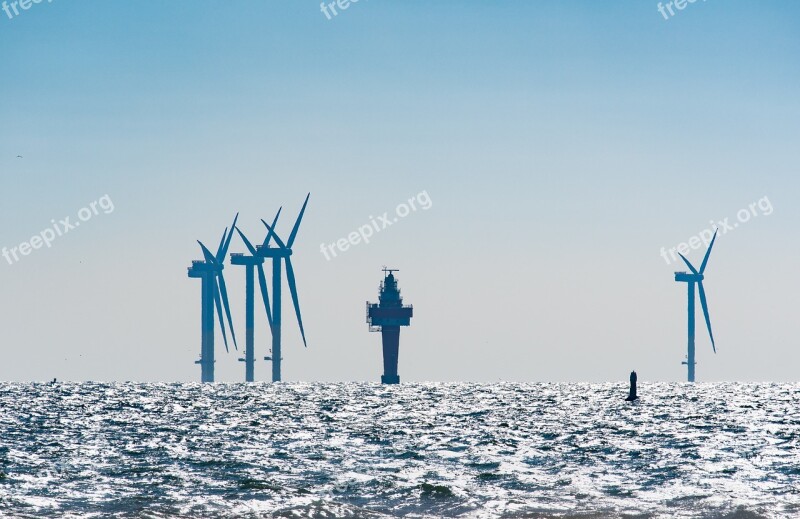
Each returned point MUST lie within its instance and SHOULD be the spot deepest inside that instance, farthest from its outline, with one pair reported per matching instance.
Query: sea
(536, 450)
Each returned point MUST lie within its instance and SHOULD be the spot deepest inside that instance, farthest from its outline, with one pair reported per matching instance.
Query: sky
(560, 145)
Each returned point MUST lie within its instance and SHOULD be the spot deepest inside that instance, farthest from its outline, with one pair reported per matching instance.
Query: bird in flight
(19, 156)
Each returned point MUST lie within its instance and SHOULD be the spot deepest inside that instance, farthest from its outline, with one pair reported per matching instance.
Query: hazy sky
(561, 144)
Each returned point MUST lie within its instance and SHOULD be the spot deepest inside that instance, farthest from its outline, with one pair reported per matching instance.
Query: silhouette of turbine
(696, 278)
(214, 294)
(253, 260)
(282, 252)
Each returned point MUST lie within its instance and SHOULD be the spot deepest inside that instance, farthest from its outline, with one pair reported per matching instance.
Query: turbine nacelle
(201, 268)
(273, 252)
(688, 278)
(238, 258)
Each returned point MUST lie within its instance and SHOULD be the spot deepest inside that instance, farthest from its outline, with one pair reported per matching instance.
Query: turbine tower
(387, 317)
(214, 294)
(251, 261)
(282, 252)
(696, 278)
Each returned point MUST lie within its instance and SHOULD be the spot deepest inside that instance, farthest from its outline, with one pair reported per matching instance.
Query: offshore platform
(387, 317)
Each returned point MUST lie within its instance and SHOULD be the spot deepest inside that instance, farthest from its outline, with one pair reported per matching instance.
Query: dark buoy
(632, 394)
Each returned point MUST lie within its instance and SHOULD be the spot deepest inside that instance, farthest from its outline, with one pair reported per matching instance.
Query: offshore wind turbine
(696, 278)
(282, 252)
(254, 260)
(214, 294)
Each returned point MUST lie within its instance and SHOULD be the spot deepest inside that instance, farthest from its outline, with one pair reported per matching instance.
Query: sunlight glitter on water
(421, 450)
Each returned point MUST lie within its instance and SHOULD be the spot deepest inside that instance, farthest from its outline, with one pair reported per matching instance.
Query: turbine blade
(297, 223)
(708, 252)
(224, 290)
(223, 251)
(271, 233)
(704, 304)
(694, 270)
(293, 290)
(207, 253)
(221, 243)
(247, 242)
(262, 280)
(219, 314)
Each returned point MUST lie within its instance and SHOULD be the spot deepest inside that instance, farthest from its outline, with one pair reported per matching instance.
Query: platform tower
(387, 317)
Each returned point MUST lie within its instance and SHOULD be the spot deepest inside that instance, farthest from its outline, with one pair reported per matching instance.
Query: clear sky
(561, 144)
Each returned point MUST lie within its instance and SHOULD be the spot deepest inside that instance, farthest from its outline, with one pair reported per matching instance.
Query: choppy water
(419, 450)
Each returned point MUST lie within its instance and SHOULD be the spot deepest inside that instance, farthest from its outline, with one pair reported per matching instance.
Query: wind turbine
(282, 252)
(253, 260)
(696, 278)
(214, 294)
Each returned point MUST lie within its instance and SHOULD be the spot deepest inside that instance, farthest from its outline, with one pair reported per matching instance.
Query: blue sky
(561, 143)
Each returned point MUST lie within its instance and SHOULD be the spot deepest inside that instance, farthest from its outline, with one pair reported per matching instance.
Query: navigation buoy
(632, 394)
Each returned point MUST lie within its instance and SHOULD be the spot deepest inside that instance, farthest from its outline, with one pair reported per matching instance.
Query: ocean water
(414, 450)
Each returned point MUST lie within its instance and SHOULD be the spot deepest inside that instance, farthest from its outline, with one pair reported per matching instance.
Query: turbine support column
(690, 361)
(249, 352)
(391, 352)
(207, 327)
(276, 319)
